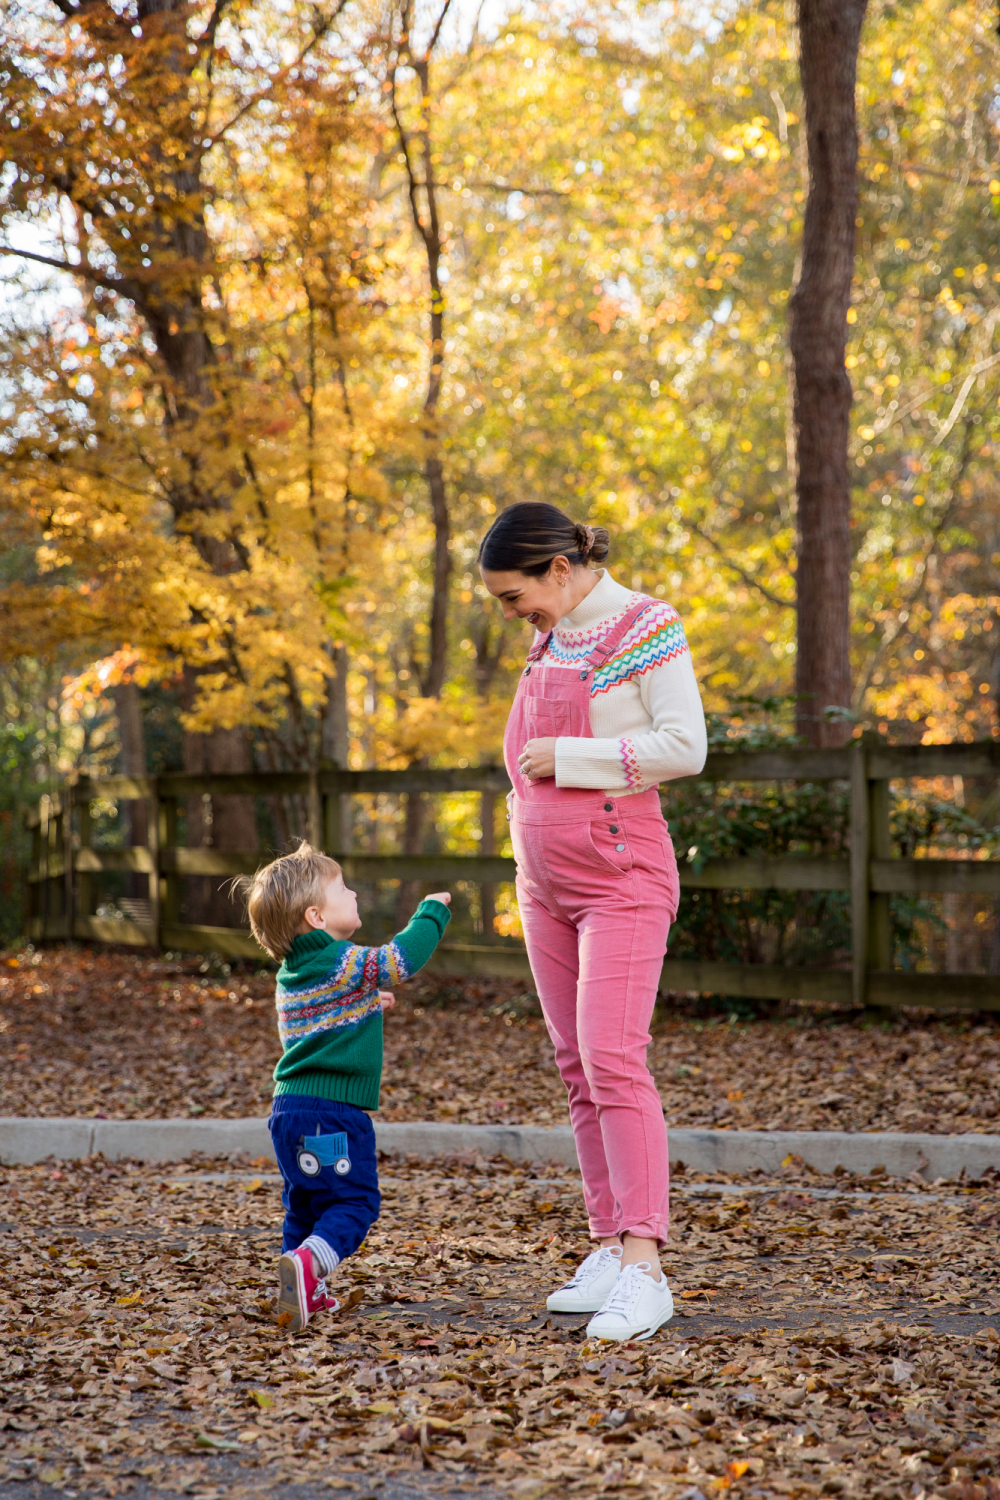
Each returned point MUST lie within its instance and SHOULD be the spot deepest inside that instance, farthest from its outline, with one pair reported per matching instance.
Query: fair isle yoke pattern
(656, 638)
(345, 997)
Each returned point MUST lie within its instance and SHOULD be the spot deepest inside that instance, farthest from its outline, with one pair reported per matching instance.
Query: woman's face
(541, 601)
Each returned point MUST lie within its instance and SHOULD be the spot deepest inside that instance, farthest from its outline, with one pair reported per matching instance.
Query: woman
(607, 707)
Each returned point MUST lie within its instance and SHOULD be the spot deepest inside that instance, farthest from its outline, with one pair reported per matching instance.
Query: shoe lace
(595, 1263)
(627, 1288)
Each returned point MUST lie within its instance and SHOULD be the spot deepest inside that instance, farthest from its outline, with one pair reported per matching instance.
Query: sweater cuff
(436, 911)
(591, 764)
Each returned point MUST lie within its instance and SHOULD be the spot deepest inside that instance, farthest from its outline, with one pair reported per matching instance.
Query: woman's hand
(538, 759)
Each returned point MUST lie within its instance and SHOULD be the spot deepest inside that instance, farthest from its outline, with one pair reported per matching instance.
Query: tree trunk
(334, 746)
(437, 659)
(215, 822)
(128, 707)
(428, 226)
(829, 34)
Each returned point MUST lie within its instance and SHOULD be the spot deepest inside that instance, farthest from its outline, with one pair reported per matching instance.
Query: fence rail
(64, 864)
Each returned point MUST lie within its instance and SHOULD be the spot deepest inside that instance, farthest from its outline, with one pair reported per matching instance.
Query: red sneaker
(300, 1292)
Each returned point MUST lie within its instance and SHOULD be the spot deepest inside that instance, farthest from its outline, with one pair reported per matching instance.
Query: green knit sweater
(329, 1015)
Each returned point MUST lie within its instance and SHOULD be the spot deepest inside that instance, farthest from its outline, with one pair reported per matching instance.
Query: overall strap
(539, 648)
(607, 647)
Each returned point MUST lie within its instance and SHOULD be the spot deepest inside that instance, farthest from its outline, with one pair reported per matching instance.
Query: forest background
(304, 294)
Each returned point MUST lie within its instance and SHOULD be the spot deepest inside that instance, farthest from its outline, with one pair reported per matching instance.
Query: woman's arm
(675, 744)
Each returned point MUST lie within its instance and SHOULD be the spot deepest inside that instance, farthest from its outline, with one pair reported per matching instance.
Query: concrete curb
(23, 1141)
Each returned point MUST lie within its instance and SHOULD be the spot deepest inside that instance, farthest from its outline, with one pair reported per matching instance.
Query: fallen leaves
(122, 1038)
(800, 1372)
(831, 1335)
(217, 1445)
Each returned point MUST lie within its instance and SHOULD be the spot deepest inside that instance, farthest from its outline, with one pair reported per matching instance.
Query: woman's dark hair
(526, 537)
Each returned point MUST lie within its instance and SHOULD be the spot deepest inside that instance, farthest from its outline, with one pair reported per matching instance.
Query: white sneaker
(635, 1307)
(588, 1288)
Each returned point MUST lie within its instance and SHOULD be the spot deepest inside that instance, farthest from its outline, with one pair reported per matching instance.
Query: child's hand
(443, 896)
(386, 999)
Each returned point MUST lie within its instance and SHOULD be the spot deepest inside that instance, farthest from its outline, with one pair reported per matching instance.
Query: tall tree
(421, 165)
(829, 36)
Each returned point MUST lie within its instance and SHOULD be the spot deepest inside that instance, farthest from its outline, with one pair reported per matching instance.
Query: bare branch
(734, 567)
(892, 637)
(123, 285)
(512, 187)
(251, 104)
(207, 38)
(411, 179)
(437, 30)
(977, 369)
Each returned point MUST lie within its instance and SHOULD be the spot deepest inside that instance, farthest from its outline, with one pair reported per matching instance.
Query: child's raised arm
(406, 953)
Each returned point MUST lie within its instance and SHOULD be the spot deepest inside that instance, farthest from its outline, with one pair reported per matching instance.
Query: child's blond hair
(279, 894)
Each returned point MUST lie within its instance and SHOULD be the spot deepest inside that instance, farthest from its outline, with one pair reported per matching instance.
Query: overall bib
(597, 888)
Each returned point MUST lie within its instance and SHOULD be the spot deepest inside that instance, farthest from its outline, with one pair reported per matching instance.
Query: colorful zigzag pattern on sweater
(343, 998)
(656, 638)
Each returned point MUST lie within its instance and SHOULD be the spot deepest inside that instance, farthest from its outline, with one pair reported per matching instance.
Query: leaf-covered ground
(124, 1036)
(833, 1337)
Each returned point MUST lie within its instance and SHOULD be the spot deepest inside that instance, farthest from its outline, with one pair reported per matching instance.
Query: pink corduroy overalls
(597, 888)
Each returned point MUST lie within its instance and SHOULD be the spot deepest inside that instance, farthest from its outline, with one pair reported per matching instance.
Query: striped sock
(328, 1258)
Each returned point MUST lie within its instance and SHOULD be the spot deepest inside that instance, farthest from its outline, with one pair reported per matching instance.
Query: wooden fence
(64, 864)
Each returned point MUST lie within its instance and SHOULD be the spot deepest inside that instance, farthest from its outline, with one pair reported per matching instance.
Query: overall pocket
(608, 851)
(547, 718)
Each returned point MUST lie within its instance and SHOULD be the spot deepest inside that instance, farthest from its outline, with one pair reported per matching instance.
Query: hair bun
(598, 544)
(528, 535)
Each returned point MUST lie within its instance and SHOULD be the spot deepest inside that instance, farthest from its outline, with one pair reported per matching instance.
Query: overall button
(613, 828)
(608, 806)
(527, 671)
(583, 675)
(620, 848)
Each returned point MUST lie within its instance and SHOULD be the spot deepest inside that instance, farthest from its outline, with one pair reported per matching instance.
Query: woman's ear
(559, 570)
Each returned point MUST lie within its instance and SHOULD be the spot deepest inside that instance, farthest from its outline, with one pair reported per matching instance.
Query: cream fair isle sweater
(645, 709)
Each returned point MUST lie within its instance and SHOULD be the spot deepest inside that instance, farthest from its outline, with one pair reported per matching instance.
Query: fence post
(314, 812)
(333, 822)
(69, 894)
(168, 880)
(36, 893)
(880, 944)
(488, 846)
(50, 843)
(84, 885)
(59, 849)
(153, 845)
(860, 862)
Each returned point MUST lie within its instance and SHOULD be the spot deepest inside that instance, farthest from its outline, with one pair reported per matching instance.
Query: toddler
(330, 1002)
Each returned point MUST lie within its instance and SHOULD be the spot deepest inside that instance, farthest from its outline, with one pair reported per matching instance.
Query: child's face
(336, 913)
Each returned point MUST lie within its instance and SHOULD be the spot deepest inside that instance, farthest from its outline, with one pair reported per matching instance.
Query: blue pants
(339, 1208)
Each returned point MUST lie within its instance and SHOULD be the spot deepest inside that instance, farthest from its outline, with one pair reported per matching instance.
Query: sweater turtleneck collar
(606, 598)
(307, 943)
